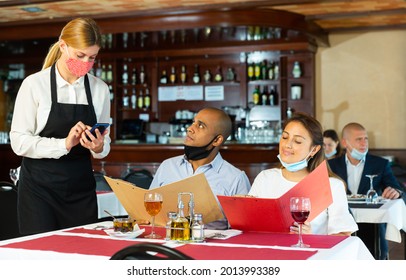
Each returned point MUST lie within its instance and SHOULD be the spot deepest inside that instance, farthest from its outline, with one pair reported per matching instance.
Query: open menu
(132, 198)
(273, 214)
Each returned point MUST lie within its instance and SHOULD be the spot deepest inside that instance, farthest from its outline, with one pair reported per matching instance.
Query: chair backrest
(101, 183)
(149, 251)
(8, 211)
(140, 177)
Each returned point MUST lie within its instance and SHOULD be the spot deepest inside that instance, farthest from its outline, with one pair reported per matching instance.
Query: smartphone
(101, 126)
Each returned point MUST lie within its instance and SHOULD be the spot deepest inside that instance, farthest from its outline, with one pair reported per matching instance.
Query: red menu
(273, 214)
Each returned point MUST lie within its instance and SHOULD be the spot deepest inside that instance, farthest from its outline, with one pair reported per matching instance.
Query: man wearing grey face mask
(353, 167)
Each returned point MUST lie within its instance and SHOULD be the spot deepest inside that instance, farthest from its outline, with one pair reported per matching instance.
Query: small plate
(124, 235)
(356, 197)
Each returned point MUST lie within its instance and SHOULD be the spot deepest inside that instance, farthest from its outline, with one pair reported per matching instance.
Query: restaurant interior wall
(361, 78)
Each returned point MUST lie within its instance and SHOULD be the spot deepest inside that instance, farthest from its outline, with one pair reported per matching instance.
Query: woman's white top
(33, 105)
(336, 218)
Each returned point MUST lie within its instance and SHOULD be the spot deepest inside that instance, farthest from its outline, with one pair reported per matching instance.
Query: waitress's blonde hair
(79, 33)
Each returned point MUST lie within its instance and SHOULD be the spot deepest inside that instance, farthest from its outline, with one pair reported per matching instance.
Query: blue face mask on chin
(330, 154)
(296, 166)
(358, 155)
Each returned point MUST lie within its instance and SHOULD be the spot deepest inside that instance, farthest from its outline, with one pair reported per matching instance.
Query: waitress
(54, 110)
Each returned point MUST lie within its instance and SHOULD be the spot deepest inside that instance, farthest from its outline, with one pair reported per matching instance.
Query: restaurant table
(88, 243)
(391, 212)
(108, 201)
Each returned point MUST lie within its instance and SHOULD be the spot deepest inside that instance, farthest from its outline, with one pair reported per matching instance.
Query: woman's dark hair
(331, 133)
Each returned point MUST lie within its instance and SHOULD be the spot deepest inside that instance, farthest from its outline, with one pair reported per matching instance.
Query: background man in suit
(353, 166)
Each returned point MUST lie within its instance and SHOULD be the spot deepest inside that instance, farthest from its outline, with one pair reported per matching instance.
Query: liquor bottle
(273, 97)
(140, 100)
(196, 75)
(134, 99)
(164, 77)
(265, 96)
(172, 77)
(264, 69)
(183, 74)
(271, 73)
(256, 95)
(218, 77)
(103, 74)
(142, 75)
(250, 71)
(109, 75)
(125, 40)
(110, 41)
(99, 69)
(126, 99)
(230, 75)
(180, 226)
(134, 76)
(276, 70)
(296, 71)
(207, 76)
(147, 99)
(124, 76)
(111, 92)
(257, 71)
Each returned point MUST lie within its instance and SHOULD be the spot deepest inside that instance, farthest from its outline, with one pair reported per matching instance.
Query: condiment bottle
(180, 226)
(171, 218)
(197, 228)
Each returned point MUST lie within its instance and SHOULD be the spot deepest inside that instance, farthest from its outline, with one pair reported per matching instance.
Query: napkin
(221, 234)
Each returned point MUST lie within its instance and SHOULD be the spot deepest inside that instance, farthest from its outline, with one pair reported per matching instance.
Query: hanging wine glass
(372, 195)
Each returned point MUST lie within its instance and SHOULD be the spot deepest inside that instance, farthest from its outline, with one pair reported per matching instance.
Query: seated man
(353, 167)
(209, 130)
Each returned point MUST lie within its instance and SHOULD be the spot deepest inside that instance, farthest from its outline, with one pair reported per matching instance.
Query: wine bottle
(257, 71)
(273, 96)
(164, 77)
(147, 99)
(124, 76)
(264, 69)
(218, 77)
(134, 99)
(142, 75)
(183, 75)
(256, 95)
(196, 75)
(265, 96)
(140, 100)
(134, 76)
(172, 77)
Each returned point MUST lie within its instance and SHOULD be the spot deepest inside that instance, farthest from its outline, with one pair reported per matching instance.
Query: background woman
(331, 144)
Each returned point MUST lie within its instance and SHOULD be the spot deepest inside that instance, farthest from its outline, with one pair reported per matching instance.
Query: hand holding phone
(100, 126)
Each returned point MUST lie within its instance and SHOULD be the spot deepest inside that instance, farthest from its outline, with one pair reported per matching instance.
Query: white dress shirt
(336, 218)
(33, 105)
(354, 173)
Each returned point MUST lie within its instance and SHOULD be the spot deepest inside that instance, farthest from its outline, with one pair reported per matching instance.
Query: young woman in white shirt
(300, 152)
(54, 110)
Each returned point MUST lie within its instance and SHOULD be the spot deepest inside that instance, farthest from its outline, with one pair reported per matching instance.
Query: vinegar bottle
(180, 226)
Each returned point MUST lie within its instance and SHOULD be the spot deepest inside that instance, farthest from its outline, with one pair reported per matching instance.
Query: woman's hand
(390, 193)
(306, 228)
(91, 142)
(74, 135)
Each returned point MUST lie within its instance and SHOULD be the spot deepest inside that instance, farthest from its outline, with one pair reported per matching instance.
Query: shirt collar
(60, 82)
(215, 163)
(347, 161)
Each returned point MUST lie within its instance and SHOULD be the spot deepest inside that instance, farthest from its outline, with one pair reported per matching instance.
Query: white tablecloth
(392, 212)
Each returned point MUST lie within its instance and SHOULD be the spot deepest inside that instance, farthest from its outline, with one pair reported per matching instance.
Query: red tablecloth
(202, 252)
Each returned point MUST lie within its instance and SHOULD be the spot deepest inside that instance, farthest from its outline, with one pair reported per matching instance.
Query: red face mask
(77, 67)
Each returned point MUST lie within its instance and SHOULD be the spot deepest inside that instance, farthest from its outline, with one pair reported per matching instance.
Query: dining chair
(149, 251)
(101, 183)
(140, 177)
(8, 211)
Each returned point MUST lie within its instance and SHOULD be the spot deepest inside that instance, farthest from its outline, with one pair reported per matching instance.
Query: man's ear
(218, 140)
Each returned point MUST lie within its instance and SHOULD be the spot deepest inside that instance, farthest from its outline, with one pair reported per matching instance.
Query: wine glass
(300, 210)
(14, 175)
(372, 195)
(153, 205)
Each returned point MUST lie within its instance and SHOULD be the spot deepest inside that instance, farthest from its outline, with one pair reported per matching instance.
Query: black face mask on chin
(196, 153)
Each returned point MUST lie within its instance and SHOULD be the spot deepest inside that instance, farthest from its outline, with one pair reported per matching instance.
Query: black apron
(59, 193)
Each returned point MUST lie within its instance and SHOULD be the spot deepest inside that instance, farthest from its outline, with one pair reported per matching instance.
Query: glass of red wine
(300, 210)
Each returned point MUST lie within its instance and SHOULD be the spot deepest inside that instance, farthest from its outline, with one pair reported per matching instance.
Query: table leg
(377, 241)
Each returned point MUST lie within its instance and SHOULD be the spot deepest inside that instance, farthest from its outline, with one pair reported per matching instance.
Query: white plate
(357, 197)
(124, 235)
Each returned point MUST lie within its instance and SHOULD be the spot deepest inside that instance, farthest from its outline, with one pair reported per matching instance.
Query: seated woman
(300, 152)
(331, 144)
